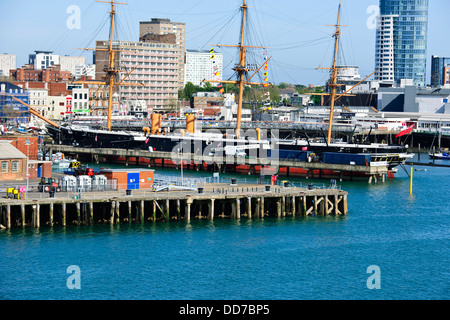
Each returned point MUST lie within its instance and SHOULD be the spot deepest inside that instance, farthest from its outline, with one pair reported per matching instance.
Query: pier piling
(226, 201)
(51, 214)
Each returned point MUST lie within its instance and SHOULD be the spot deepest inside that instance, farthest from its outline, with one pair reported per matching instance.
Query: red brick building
(38, 169)
(13, 163)
(208, 103)
(51, 74)
(25, 144)
(54, 88)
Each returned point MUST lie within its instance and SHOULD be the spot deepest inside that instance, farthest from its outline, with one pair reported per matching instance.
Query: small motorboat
(440, 156)
(60, 161)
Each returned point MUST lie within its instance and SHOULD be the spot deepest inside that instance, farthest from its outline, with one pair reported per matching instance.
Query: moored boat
(440, 155)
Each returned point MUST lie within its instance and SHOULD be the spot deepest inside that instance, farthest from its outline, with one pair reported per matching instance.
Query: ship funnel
(156, 123)
(190, 123)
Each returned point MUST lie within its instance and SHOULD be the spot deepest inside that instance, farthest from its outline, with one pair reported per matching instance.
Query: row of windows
(143, 44)
(14, 166)
(80, 95)
(410, 58)
(154, 90)
(150, 57)
(38, 102)
(75, 104)
(147, 69)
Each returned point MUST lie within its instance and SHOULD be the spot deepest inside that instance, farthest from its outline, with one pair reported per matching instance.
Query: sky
(294, 32)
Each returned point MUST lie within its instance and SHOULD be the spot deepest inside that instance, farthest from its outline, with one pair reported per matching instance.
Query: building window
(4, 166)
(15, 166)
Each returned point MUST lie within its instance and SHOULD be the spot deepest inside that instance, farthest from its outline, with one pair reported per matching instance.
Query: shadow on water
(164, 227)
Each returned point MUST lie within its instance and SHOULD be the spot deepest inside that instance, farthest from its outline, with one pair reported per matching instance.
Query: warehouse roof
(8, 151)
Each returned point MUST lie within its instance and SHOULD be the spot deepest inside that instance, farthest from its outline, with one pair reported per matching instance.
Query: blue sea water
(320, 258)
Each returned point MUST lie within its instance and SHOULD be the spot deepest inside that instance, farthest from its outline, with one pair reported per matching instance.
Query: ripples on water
(291, 259)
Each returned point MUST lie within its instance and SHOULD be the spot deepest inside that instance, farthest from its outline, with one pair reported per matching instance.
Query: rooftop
(8, 151)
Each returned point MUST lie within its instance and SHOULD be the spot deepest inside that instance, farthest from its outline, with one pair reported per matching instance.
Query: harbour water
(406, 237)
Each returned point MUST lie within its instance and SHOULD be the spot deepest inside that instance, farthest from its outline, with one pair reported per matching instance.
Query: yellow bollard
(411, 181)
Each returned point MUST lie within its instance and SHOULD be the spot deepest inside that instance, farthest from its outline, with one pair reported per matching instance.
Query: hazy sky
(295, 30)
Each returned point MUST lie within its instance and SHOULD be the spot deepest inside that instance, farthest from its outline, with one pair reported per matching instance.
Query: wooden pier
(238, 201)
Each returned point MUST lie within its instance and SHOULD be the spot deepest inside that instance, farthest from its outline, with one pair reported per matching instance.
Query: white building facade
(38, 101)
(199, 66)
(43, 59)
(80, 101)
(7, 62)
(384, 49)
(84, 70)
(69, 63)
(56, 106)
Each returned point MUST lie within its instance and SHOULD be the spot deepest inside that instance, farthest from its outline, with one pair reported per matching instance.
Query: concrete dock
(217, 163)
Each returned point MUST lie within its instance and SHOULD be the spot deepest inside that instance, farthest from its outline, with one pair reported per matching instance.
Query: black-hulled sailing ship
(202, 143)
(336, 152)
(152, 139)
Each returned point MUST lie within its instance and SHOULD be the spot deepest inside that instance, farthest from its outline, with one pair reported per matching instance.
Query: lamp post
(27, 143)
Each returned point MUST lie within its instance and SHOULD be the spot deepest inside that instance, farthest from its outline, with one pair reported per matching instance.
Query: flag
(266, 79)
(211, 51)
(265, 74)
(266, 67)
(406, 131)
(216, 73)
(219, 85)
(221, 90)
(213, 56)
(265, 85)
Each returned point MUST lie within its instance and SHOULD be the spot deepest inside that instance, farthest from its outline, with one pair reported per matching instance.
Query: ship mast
(111, 71)
(241, 68)
(334, 70)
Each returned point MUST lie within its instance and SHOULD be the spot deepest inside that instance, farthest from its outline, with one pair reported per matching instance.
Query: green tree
(284, 85)
(189, 90)
(301, 89)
